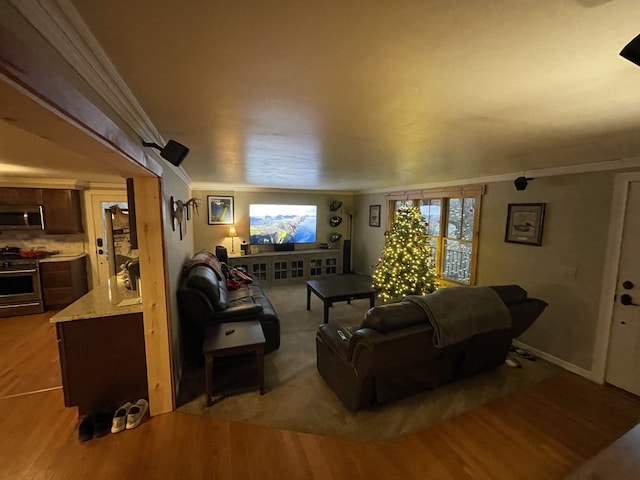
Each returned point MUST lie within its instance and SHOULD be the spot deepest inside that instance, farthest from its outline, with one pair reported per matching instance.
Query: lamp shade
(232, 232)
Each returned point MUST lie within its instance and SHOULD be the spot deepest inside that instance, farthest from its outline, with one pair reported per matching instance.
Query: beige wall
(177, 253)
(575, 235)
(208, 236)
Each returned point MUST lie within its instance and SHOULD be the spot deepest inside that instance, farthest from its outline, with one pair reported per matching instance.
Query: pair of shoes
(129, 415)
(136, 412)
(512, 362)
(94, 425)
(525, 354)
(120, 418)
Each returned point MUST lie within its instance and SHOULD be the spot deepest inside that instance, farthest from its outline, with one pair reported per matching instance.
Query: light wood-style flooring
(544, 432)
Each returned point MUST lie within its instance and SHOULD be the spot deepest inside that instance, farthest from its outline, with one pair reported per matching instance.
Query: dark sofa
(204, 297)
(392, 354)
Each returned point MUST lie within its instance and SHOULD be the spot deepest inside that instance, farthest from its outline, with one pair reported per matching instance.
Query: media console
(291, 265)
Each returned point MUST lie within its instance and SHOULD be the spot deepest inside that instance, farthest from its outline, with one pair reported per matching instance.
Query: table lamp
(233, 234)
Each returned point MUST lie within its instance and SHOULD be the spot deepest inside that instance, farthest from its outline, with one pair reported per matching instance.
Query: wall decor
(220, 210)
(335, 220)
(178, 208)
(524, 223)
(374, 215)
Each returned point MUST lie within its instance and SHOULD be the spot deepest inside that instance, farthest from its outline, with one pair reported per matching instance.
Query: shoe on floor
(85, 430)
(119, 421)
(136, 412)
(101, 423)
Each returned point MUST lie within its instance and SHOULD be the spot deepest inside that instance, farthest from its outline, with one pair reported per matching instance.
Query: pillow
(393, 316)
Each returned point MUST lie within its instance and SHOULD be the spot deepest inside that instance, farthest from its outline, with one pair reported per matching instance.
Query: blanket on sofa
(458, 313)
(207, 259)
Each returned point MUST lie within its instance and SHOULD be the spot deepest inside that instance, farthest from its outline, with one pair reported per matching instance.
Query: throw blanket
(207, 259)
(458, 313)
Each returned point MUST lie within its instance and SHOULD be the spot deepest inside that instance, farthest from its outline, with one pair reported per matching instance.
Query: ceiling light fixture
(173, 151)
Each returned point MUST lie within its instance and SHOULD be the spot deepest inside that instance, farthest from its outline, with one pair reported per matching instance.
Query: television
(271, 224)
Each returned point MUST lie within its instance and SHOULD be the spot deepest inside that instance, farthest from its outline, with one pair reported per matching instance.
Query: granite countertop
(103, 301)
(61, 258)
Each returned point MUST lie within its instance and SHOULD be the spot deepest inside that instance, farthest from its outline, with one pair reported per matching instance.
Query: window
(452, 217)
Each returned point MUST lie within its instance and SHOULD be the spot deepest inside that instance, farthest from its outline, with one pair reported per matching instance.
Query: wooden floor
(544, 432)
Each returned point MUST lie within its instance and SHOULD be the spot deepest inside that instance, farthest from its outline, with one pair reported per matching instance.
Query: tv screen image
(276, 224)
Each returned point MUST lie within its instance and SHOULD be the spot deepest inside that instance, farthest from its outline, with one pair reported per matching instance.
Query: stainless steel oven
(20, 292)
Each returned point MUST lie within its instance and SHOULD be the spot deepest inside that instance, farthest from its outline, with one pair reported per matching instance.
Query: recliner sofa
(392, 354)
(204, 297)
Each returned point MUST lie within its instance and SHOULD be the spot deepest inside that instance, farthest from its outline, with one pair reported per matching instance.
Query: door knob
(627, 285)
(627, 300)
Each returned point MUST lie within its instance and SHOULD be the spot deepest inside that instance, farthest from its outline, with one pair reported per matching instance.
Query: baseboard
(556, 361)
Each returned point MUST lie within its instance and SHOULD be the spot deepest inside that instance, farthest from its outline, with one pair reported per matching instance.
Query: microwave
(21, 217)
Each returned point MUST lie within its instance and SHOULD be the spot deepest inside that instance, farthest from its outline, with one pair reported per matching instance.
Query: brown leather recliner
(392, 354)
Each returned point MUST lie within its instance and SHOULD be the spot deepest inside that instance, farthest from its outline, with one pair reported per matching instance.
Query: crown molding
(609, 165)
(60, 24)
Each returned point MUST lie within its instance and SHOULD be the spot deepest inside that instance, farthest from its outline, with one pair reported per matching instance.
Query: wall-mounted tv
(276, 224)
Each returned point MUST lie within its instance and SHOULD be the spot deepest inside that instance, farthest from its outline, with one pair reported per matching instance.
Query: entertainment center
(291, 265)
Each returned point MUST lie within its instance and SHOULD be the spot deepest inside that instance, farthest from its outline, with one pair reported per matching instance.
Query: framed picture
(524, 223)
(220, 210)
(374, 215)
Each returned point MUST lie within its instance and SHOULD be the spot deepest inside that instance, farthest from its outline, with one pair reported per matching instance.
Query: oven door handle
(10, 272)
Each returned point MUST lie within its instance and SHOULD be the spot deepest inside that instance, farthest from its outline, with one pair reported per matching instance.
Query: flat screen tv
(276, 224)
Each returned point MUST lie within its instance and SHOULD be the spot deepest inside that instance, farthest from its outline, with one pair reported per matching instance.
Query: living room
(570, 269)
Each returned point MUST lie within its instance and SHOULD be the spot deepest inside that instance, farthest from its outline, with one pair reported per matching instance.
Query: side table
(228, 339)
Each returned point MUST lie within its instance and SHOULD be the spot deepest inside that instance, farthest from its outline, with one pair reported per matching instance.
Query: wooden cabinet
(283, 266)
(62, 208)
(20, 196)
(63, 282)
(62, 211)
(102, 361)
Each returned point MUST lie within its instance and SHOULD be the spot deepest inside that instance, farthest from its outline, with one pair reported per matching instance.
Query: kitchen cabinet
(62, 208)
(20, 196)
(62, 211)
(102, 361)
(63, 281)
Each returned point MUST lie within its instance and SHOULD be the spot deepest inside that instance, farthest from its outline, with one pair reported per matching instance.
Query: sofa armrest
(347, 344)
(337, 339)
(240, 312)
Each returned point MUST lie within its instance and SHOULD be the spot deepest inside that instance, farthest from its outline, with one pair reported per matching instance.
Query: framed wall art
(524, 223)
(374, 215)
(220, 210)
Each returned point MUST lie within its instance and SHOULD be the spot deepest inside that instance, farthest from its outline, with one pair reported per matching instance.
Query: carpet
(296, 398)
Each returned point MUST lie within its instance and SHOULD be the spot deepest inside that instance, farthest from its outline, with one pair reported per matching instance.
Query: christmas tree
(405, 267)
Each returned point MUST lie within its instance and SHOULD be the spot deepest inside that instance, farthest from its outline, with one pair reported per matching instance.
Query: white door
(98, 236)
(623, 364)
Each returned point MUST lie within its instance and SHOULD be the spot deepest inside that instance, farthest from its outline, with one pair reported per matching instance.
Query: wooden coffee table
(227, 339)
(340, 288)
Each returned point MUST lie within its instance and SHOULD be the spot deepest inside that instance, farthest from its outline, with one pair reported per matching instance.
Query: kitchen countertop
(102, 301)
(61, 258)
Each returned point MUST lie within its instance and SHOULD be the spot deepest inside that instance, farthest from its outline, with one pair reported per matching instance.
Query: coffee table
(235, 338)
(340, 288)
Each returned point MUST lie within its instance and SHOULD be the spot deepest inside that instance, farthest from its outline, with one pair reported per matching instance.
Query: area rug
(296, 398)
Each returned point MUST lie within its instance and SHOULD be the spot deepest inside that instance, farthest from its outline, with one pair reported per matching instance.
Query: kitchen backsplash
(65, 244)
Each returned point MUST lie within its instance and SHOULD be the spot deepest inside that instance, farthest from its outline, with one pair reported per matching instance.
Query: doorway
(623, 360)
(617, 350)
(98, 238)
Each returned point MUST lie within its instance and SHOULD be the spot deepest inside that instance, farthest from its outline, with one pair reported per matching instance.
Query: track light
(173, 151)
(521, 182)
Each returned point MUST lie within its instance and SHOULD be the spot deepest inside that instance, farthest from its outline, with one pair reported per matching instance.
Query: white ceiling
(361, 95)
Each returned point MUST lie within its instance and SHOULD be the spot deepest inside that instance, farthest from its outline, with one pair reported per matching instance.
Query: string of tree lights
(406, 266)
